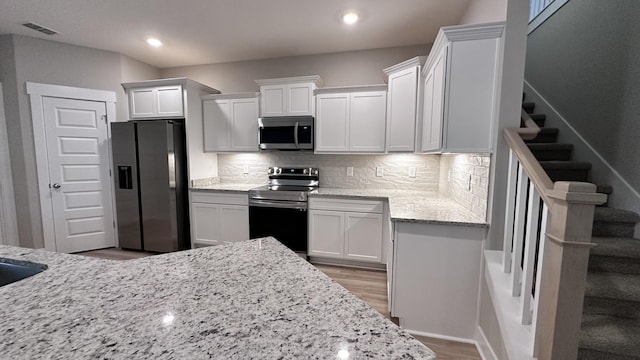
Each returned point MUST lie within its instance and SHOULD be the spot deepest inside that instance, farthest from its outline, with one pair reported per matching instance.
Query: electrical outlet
(245, 169)
(349, 170)
(469, 187)
(379, 171)
(412, 171)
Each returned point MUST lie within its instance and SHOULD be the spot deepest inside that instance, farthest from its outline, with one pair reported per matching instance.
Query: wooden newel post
(566, 256)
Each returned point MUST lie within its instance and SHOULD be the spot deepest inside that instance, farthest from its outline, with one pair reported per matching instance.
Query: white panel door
(205, 223)
(234, 223)
(326, 233)
(78, 156)
(169, 101)
(217, 123)
(244, 133)
(363, 237)
(274, 100)
(332, 123)
(300, 99)
(367, 121)
(401, 110)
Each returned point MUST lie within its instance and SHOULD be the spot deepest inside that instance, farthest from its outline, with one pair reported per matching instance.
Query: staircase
(611, 317)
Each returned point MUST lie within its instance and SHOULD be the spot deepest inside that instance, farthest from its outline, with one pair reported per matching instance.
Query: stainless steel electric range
(279, 209)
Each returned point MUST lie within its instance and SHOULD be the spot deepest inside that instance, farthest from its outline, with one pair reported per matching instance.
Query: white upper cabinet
(351, 119)
(402, 104)
(288, 96)
(230, 122)
(156, 102)
(461, 89)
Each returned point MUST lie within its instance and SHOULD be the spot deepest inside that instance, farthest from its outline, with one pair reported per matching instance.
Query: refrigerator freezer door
(123, 139)
(157, 186)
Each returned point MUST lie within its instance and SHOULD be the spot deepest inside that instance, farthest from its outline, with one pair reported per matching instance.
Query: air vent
(40, 28)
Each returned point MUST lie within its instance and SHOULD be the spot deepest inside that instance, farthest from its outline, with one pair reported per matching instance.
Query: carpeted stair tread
(551, 151)
(613, 286)
(608, 337)
(616, 247)
(539, 119)
(605, 189)
(565, 165)
(613, 215)
(528, 106)
(546, 135)
(611, 307)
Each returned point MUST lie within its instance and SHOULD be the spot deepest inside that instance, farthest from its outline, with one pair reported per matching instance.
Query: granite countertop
(226, 187)
(249, 300)
(412, 206)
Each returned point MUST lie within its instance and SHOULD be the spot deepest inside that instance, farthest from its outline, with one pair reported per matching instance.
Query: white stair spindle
(510, 212)
(536, 298)
(519, 221)
(533, 216)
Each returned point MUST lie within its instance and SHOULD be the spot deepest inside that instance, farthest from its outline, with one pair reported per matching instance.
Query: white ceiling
(213, 31)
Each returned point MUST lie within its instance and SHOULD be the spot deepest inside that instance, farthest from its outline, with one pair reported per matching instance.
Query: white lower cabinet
(435, 277)
(218, 218)
(346, 229)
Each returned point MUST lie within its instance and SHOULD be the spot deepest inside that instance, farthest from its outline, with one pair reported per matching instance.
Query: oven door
(284, 220)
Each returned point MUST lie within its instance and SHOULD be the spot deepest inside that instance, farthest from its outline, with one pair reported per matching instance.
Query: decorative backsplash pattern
(465, 178)
(333, 169)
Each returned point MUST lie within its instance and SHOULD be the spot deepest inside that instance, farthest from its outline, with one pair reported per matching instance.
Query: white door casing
(71, 140)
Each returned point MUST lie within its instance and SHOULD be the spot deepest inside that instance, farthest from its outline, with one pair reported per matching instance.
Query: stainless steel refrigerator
(150, 164)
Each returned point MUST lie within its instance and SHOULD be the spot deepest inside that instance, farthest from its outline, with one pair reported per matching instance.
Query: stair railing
(546, 250)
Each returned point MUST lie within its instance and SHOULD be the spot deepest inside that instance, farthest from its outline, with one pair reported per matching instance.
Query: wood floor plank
(368, 285)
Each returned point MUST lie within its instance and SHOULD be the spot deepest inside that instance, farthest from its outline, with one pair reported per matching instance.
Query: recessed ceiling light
(154, 42)
(350, 18)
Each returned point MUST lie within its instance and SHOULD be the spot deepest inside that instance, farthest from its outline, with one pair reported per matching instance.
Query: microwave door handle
(295, 134)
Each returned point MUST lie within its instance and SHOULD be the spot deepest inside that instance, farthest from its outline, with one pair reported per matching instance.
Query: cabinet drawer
(351, 205)
(220, 198)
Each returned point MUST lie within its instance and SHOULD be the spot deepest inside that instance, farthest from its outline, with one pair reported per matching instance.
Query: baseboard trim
(439, 336)
(348, 263)
(616, 174)
(483, 345)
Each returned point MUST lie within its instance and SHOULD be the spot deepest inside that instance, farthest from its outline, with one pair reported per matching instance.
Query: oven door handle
(295, 134)
(298, 205)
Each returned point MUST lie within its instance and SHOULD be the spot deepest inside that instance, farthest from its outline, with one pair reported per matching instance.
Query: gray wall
(482, 11)
(337, 69)
(585, 60)
(26, 59)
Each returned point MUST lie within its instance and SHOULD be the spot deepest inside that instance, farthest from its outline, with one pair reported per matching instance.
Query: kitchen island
(250, 300)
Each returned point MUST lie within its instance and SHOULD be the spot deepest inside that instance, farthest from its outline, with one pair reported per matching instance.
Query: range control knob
(305, 171)
(278, 171)
(270, 171)
(314, 172)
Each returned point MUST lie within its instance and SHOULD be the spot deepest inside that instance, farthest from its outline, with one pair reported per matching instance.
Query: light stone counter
(412, 206)
(250, 300)
(234, 187)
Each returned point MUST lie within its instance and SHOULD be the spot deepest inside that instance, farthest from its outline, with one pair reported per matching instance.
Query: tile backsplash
(465, 178)
(333, 169)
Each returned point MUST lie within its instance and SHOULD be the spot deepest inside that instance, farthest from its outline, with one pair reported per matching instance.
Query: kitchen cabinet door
(205, 223)
(367, 121)
(300, 99)
(244, 132)
(433, 111)
(326, 233)
(401, 110)
(217, 119)
(234, 223)
(274, 100)
(332, 123)
(156, 102)
(169, 101)
(363, 236)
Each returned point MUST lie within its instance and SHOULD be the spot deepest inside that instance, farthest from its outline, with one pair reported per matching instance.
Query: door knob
(56, 186)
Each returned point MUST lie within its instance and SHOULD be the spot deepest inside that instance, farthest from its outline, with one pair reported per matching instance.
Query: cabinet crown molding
(246, 95)
(348, 89)
(292, 80)
(185, 82)
(448, 34)
(415, 61)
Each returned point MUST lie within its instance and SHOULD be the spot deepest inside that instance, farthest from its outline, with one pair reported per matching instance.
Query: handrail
(515, 138)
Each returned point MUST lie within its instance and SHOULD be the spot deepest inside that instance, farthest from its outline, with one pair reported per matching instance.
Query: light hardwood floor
(369, 285)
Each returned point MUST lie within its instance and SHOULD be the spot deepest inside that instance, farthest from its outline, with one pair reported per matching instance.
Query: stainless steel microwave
(286, 133)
